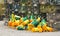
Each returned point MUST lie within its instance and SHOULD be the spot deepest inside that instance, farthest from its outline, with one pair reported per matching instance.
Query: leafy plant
(2, 9)
(47, 8)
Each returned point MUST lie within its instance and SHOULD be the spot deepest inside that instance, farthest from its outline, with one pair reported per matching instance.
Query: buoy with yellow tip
(49, 29)
(23, 19)
(30, 26)
(15, 24)
(20, 27)
(35, 30)
(35, 22)
(12, 19)
(25, 22)
(31, 18)
(40, 28)
(10, 23)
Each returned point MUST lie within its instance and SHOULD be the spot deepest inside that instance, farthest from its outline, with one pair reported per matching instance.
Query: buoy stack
(31, 24)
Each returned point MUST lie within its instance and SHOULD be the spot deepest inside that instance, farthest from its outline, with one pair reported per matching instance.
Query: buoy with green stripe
(17, 17)
(31, 18)
(34, 23)
(23, 19)
(20, 27)
(12, 17)
(25, 22)
(42, 23)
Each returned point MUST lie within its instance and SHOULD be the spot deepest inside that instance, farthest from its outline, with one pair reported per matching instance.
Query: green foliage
(47, 8)
(2, 9)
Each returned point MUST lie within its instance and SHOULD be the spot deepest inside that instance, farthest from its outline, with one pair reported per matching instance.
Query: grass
(1, 11)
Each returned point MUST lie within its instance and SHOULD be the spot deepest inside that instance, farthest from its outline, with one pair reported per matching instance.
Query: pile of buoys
(31, 24)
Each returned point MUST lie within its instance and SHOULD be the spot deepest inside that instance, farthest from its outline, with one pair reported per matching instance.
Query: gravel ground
(5, 31)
